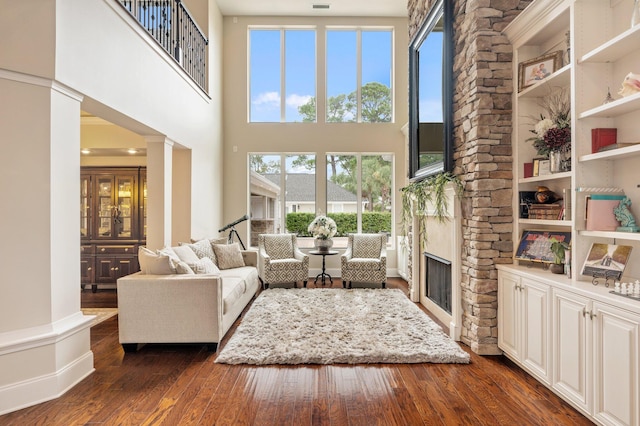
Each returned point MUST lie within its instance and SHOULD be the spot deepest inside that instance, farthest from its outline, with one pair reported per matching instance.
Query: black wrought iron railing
(171, 24)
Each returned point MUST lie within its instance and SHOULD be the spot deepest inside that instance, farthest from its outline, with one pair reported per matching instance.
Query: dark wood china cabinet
(113, 222)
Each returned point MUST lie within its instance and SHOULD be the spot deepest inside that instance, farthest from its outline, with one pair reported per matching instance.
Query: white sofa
(181, 308)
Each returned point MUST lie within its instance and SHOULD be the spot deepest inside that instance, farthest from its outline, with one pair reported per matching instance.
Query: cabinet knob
(115, 269)
(126, 249)
(89, 268)
(584, 312)
(592, 315)
(103, 249)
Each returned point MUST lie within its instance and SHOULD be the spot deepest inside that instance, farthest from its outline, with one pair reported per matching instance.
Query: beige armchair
(365, 259)
(280, 260)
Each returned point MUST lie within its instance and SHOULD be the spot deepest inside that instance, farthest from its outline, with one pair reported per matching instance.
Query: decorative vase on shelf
(323, 244)
(635, 15)
(556, 268)
(559, 161)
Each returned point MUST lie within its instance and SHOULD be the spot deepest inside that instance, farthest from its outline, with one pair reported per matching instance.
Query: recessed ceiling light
(321, 6)
(85, 151)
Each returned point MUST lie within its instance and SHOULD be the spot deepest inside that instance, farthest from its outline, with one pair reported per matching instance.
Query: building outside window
(359, 194)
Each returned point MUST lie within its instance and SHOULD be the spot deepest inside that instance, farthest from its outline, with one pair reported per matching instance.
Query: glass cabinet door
(105, 206)
(123, 212)
(85, 181)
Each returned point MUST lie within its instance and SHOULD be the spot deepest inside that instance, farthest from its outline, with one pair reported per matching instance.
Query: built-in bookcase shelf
(626, 152)
(614, 109)
(615, 48)
(560, 78)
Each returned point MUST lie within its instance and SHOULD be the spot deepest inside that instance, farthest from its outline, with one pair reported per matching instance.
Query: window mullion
(358, 76)
(359, 191)
(283, 76)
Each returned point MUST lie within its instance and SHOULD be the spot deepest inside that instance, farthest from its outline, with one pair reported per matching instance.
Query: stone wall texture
(483, 89)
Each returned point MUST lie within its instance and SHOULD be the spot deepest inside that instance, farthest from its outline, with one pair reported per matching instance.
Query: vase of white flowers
(323, 229)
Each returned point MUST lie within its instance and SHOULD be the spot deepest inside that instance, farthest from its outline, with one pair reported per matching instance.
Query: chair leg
(295, 284)
(344, 284)
(304, 283)
(350, 284)
(384, 285)
(265, 286)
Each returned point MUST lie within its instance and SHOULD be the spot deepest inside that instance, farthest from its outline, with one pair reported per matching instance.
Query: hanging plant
(428, 193)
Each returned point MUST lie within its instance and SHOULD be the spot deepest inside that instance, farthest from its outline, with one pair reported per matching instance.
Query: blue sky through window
(300, 68)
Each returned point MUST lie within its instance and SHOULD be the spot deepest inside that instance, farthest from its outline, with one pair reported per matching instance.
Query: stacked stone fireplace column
(482, 133)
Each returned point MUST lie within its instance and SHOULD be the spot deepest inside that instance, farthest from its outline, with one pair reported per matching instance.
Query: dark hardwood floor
(181, 385)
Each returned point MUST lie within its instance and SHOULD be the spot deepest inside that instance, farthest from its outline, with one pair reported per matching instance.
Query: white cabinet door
(508, 313)
(572, 341)
(616, 365)
(535, 351)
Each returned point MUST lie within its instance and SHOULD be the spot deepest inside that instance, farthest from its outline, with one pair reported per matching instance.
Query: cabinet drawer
(86, 249)
(122, 249)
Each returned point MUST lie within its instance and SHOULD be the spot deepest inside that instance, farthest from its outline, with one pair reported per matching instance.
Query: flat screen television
(431, 94)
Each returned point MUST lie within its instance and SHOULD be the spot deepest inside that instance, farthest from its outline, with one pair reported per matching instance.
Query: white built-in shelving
(573, 336)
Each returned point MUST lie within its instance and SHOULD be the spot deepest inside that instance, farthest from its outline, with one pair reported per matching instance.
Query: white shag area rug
(338, 326)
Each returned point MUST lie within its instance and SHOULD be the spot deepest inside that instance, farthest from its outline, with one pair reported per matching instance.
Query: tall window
(359, 193)
(359, 75)
(282, 202)
(282, 74)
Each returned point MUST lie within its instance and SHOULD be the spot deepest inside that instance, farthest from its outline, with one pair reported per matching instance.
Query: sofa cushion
(360, 264)
(154, 264)
(228, 255)
(232, 290)
(185, 253)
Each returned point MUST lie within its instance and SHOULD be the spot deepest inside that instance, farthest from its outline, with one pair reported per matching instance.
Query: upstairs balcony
(172, 26)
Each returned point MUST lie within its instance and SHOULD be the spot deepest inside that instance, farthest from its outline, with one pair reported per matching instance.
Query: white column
(159, 189)
(44, 338)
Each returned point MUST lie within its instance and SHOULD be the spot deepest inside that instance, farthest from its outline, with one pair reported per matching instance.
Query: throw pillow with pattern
(228, 255)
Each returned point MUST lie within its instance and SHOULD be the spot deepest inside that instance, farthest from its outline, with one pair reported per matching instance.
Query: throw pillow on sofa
(202, 248)
(155, 264)
(204, 266)
(180, 266)
(228, 255)
(185, 253)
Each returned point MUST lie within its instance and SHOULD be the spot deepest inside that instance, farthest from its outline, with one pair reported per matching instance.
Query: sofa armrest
(170, 308)
(250, 257)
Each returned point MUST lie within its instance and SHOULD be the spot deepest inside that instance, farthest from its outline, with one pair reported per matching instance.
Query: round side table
(323, 275)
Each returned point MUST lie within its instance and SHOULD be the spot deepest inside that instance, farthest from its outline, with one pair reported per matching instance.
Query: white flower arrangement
(323, 227)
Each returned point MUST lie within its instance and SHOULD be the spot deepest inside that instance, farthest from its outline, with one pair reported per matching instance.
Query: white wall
(56, 59)
(241, 137)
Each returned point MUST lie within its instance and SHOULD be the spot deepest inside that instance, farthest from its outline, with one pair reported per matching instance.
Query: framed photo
(544, 167)
(606, 260)
(537, 69)
(535, 246)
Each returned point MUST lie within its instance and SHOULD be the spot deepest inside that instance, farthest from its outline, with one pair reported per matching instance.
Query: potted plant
(558, 248)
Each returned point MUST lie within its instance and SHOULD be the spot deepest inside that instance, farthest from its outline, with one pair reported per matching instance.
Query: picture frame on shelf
(544, 167)
(535, 70)
(535, 245)
(606, 260)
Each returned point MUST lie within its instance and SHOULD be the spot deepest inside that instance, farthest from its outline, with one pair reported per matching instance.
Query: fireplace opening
(438, 281)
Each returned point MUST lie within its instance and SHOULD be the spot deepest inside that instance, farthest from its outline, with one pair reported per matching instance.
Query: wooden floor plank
(181, 384)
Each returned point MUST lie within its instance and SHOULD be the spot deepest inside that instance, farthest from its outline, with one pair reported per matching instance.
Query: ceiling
(305, 7)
